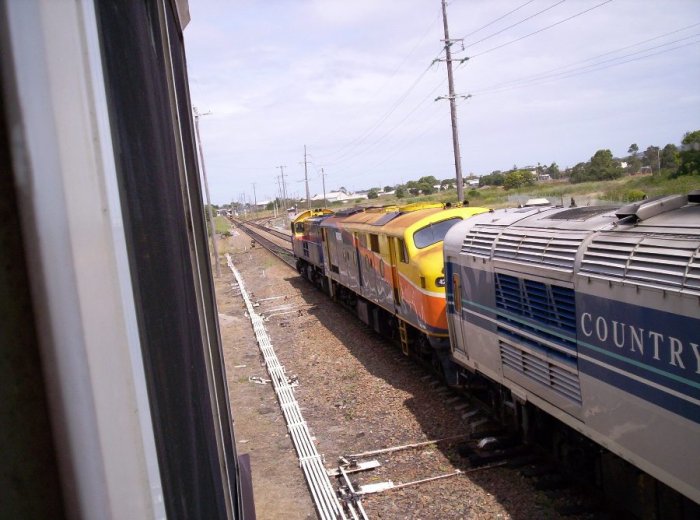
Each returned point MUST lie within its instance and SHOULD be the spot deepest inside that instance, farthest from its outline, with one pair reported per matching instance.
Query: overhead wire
(594, 67)
(358, 141)
(342, 151)
(497, 20)
(409, 114)
(515, 24)
(598, 56)
(533, 33)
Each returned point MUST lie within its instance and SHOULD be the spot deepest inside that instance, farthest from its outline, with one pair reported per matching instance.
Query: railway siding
(359, 393)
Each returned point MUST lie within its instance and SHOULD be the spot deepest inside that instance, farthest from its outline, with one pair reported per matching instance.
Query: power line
(539, 75)
(399, 123)
(376, 125)
(497, 19)
(542, 29)
(516, 24)
(581, 70)
(356, 142)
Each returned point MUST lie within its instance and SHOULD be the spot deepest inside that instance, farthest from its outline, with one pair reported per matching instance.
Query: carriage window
(374, 243)
(299, 227)
(433, 233)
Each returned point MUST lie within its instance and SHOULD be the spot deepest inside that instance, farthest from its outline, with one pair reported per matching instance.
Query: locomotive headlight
(440, 281)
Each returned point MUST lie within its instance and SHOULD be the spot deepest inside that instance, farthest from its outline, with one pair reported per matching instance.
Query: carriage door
(394, 246)
(454, 319)
(357, 259)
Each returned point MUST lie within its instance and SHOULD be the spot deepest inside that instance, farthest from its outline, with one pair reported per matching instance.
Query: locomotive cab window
(433, 233)
(299, 227)
(374, 242)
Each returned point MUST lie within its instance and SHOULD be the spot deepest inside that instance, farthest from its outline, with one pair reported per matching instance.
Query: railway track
(486, 443)
(282, 235)
(263, 236)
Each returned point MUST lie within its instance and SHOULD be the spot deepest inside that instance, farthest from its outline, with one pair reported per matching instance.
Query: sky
(355, 82)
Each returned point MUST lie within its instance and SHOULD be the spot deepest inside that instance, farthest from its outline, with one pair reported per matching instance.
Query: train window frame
(403, 250)
(374, 242)
(299, 227)
(457, 293)
(418, 235)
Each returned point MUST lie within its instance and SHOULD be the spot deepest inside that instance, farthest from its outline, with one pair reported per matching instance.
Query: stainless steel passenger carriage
(591, 314)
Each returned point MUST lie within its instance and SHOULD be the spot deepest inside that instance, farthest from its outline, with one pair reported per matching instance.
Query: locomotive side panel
(640, 371)
(613, 351)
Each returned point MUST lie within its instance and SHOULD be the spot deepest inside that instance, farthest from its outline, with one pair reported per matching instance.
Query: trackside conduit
(311, 463)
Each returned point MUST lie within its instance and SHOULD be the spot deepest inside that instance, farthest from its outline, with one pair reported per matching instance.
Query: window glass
(433, 233)
(403, 252)
(374, 243)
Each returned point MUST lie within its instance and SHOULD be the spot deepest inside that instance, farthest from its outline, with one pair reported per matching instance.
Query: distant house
(473, 183)
(544, 177)
(339, 196)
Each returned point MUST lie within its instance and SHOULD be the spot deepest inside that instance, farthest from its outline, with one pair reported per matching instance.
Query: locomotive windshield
(433, 233)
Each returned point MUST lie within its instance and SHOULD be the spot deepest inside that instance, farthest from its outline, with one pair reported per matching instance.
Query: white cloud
(335, 75)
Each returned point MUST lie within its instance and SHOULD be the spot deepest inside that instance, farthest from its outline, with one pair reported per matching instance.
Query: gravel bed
(357, 393)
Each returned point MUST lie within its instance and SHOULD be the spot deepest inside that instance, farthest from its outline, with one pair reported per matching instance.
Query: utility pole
(212, 228)
(284, 189)
(255, 201)
(306, 180)
(453, 106)
(323, 180)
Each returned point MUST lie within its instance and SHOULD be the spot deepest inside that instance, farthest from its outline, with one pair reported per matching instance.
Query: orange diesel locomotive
(387, 264)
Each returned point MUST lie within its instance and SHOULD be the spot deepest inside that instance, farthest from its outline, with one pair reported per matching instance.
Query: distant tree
(426, 188)
(518, 179)
(400, 192)
(412, 187)
(448, 184)
(690, 154)
(429, 179)
(578, 172)
(669, 157)
(601, 167)
(633, 149)
(387, 189)
(651, 157)
(373, 194)
(633, 164)
(553, 171)
(495, 178)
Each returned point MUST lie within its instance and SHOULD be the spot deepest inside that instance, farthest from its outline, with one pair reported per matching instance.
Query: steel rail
(283, 253)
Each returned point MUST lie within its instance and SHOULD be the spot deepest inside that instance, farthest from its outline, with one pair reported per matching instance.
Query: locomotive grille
(557, 378)
(558, 251)
(551, 305)
(479, 241)
(532, 316)
(672, 264)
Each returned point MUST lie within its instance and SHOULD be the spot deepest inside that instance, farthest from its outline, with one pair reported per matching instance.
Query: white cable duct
(311, 463)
